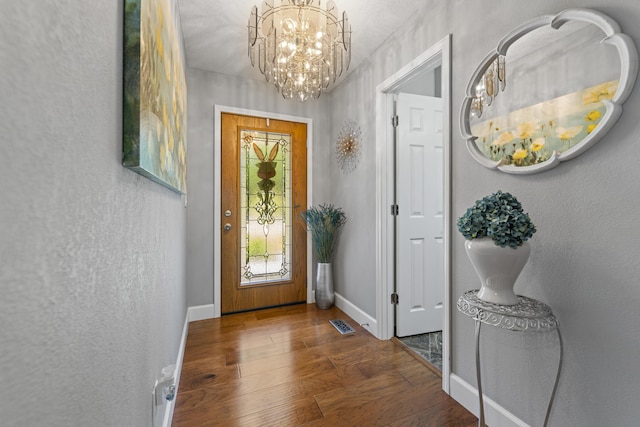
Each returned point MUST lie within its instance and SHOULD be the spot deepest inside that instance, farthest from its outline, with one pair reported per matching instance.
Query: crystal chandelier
(299, 46)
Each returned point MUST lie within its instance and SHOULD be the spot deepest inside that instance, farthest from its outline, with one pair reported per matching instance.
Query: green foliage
(499, 216)
(324, 222)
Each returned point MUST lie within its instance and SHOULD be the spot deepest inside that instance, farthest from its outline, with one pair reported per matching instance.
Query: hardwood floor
(289, 366)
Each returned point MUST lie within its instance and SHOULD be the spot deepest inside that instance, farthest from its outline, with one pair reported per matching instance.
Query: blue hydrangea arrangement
(499, 216)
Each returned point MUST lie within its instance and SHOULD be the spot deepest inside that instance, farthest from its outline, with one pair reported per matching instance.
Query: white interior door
(420, 220)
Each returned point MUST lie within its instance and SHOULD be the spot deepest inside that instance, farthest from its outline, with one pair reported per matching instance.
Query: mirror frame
(628, 73)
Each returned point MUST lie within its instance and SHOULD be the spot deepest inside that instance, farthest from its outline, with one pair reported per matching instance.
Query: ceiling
(215, 31)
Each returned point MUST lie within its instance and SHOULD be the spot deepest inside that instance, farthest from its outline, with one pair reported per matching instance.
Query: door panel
(263, 246)
(420, 255)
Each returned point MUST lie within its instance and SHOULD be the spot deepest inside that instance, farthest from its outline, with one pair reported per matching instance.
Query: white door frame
(217, 163)
(439, 53)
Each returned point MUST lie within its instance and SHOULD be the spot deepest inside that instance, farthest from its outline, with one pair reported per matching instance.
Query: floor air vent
(342, 326)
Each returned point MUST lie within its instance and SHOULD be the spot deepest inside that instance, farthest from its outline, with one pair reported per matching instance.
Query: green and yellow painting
(155, 94)
(530, 135)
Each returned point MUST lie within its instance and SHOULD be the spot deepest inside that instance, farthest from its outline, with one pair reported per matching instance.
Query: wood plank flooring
(289, 366)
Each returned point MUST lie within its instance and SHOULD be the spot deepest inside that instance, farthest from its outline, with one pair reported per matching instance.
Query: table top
(528, 315)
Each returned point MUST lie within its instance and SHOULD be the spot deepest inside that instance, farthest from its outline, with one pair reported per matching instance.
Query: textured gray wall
(207, 89)
(92, 255)
(584, 259)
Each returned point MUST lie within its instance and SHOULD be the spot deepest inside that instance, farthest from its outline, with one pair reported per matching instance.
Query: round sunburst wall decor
(348, 146)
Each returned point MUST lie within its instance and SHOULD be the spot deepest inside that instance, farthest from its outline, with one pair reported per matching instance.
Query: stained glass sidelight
(265, 186)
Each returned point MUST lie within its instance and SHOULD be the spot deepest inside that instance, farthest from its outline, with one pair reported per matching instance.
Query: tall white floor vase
(498, 268)
(325, 295)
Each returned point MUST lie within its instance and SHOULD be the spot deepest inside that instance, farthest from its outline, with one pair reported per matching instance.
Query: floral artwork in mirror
(552, 89)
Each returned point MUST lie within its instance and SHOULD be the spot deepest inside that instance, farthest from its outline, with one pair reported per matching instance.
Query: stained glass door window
(265, 186)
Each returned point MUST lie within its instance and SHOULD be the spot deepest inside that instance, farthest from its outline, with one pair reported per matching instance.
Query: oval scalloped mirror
(553, 88)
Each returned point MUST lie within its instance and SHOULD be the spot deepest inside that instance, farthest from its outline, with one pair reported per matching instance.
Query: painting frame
(154, 93)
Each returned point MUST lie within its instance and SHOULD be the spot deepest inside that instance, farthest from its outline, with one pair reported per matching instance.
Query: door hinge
(394, 298)
(395, 210)
(394, 121)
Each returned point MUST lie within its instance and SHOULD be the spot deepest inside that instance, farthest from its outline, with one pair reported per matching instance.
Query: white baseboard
(494, 414)
(195, 313)
(200, 312)
(170, 406)
(351, 310)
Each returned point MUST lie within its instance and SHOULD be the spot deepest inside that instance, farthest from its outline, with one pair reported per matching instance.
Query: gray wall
(584, 261)
(207, 89)
(92, 255)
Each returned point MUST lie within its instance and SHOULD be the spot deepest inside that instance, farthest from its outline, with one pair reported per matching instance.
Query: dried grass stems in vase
(324, 222)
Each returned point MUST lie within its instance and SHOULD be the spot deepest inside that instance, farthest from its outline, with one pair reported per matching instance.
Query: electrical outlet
(164, 390)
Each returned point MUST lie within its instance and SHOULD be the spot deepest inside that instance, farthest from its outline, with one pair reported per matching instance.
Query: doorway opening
(248, 219)
(419, 218)
(413, 243)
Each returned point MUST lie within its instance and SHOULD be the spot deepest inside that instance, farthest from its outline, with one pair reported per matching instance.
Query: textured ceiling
(215, 31)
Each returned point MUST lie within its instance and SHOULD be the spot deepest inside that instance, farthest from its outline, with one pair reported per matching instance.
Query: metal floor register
(342, 326)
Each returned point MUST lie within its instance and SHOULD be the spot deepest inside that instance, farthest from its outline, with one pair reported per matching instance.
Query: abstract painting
(155, 93)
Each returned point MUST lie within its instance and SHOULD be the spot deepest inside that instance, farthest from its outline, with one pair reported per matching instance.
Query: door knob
(227, 227)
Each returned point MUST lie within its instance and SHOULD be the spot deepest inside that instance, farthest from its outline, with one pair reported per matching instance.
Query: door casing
(437, 55)
(217, 162)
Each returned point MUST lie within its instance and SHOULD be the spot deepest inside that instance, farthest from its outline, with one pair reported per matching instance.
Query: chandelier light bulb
(289, 25)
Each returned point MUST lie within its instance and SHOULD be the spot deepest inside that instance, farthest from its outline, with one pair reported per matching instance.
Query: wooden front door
(264, 187)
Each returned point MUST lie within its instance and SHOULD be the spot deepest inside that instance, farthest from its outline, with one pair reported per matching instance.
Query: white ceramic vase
(498, 268)
(325, 295)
